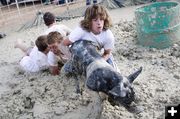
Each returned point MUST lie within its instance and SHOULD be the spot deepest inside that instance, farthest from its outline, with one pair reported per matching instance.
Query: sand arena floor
(43, 96)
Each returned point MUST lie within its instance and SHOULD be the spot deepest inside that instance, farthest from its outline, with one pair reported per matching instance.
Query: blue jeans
(113, 64)
(109, 61)
(88, 2)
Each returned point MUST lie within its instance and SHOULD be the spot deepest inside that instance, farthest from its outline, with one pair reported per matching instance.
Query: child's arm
(54, 70)
(66, 42)
(106, 54)
(75, 35)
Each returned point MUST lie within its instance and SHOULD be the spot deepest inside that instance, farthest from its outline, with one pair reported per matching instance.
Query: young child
(36, 57)
(59, 54)
(50, 21)
(95, 27)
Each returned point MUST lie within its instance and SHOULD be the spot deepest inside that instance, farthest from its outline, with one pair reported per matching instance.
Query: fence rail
(14, 15)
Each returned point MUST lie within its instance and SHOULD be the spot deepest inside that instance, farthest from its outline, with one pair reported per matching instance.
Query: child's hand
(54, 70)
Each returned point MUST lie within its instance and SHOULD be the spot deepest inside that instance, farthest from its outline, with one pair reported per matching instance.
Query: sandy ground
(45, 96)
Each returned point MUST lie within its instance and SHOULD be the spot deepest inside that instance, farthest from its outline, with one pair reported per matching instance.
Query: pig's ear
(117, 91)
(134, 75)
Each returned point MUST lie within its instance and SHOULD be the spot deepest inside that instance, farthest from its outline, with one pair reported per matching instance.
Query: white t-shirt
(35, 62)
(62, 29)
(105, 39)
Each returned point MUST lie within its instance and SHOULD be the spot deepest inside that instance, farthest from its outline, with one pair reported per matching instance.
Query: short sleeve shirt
(35, 62)
(62, 29)
(105, 39)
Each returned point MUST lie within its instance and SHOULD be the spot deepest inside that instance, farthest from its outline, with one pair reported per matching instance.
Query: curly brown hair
(93, 12)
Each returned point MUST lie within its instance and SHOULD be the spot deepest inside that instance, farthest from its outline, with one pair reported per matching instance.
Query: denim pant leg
(88, 2)
(94, 1)
(110, 62)
(113, 64)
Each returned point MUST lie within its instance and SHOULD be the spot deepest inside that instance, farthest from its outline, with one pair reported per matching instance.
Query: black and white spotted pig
(100, 76)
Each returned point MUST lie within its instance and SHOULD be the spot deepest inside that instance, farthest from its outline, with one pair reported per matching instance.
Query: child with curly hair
(95, 27)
